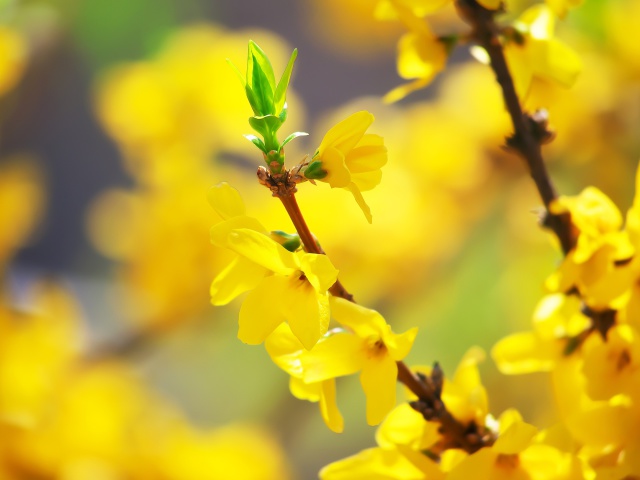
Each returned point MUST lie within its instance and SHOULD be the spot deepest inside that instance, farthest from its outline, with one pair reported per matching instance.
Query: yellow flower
(421, 54)
(13, 58)
(241, 274)
(370, 347)
(285, 350)
(613, 367)
(350, 158)
(534, 52)
(593, 265)
(557, 319)
(515, 456)
(295, 293)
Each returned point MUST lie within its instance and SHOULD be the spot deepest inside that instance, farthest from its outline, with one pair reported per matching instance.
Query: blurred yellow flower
(534, 52)
(421, 55)
(13, 58)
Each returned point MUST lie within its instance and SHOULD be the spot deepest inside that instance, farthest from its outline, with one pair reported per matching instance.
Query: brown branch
(454, 434)
(530, 131)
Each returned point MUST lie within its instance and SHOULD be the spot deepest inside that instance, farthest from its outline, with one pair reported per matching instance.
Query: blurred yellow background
(115, 119)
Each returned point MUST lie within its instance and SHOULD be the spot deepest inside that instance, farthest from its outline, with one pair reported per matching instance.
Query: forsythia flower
(372, 348)
(421, 55)
(534, 52)
(296, 292)
(350, 158)
(590, 266)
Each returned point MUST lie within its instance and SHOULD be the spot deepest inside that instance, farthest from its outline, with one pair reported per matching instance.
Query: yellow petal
(604, 426)
(554, 60)
(240, 276)
(219, 233)
(538, 21)
(479, 466)
(329, 408)
(372, 464)
(338, 175)
(420, 56)
(284, 348)
(306, 310)
(369, 154)
(259, 314)
(405, 426)
(262, 250)
(378, 379)
(515, 435)
(319, 271)
(337, 355)
(346, 134)
(305, 391)
(353, 188)
(525, 353)
(402, 91)
(364, 321)
(226, 201)
(400, 345)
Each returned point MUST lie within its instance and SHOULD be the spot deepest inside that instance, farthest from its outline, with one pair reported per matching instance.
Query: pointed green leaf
(253, 101)
(262, 90)
(291, 137)
(280, 95)
(257, 142)
(261, 60)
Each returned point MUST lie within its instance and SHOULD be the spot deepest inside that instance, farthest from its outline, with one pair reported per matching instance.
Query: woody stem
(453, 432)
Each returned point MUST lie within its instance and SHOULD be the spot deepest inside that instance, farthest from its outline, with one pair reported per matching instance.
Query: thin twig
(454, 434)
(529, 130)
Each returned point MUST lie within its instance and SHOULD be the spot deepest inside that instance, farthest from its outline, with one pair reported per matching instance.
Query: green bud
(289, 241)
(314, 171)
(275, 161)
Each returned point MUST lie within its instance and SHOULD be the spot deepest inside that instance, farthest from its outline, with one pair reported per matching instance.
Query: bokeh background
(117, 116)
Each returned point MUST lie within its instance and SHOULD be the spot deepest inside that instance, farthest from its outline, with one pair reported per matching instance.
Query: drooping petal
(329, 408)
(262, 250)
(353, 188)
(260, 314)
(402, 91)
(378, 379)
(240, 276)
(306, 310)
(284, 348)
(337, 355)
(319, 271)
